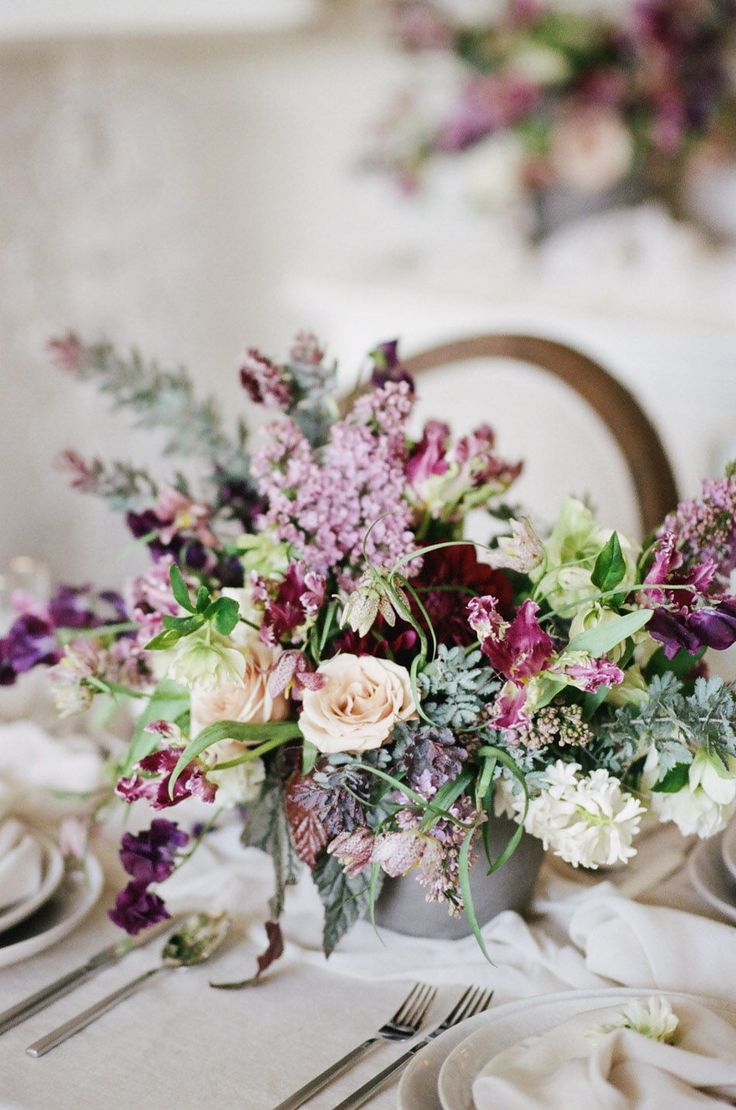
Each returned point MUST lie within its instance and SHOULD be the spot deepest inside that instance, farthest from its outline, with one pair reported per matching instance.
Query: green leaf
(447, 795)
(168, 702)
(593, 700)
(675, 779)
(203, 599)
(164, 640)
(604, 637)
(548, 687)
(309, 757)
(610, 566)
(179, 588)
(267, 828)
(268, 736)
(227, 615)
(464, 875)
(182, 625)
(344, 897)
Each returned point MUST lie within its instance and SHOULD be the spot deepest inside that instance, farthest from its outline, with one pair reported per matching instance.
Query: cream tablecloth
(178, 1044)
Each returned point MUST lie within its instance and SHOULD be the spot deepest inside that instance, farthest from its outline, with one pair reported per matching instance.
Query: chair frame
(636, 436)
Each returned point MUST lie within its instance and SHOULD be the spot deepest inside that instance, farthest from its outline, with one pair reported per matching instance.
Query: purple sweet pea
(136, 908)
(672, 631)
(715, 627)
(149, 856)
(70, 608)
(29, 642)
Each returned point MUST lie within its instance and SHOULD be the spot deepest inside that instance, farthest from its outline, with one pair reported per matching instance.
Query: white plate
(728, 849)
(52, 874)
(507, 1025)
(710, 878)
(418, 1087)
(73, 900)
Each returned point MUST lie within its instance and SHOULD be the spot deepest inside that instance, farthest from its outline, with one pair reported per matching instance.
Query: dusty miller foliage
(455, 687)
(675, 723)
(162, 399)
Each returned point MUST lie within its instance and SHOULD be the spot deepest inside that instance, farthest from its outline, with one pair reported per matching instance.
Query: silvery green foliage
(675, 723)
(314, 388)
(162, 399)
(456, 686)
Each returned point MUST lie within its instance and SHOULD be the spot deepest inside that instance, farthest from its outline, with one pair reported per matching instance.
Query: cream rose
(359, 704)
(246, 702)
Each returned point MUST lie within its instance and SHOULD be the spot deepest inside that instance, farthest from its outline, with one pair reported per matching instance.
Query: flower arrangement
(316, 646)
(545, 97)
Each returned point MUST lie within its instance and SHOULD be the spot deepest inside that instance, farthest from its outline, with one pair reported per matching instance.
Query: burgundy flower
(388, 367)
(298, 597)
(136, 908)
(518, 650)
(716, 627)
(149, 856)
(448, 576)
(192, 782)
(265, 382)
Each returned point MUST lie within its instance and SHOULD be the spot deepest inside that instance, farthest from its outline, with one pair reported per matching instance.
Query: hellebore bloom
(149, 856)
(136, 908)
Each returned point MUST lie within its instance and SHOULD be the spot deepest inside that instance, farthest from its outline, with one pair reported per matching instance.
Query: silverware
(473, 1001)
(194, 942)
(46, 995)
(405, 1023)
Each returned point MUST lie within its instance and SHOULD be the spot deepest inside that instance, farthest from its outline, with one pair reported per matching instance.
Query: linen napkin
(21, 862)
(655, 946)
(616, 1070)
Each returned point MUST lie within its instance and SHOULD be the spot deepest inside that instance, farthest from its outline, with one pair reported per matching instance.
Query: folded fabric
(31, 758)
(578, 1063)
(655, 946)
(21, 863)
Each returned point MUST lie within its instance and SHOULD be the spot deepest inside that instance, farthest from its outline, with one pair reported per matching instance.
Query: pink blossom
(509, 708)
(178, 513)
(297, 598)
(155, 790)
(293, 668)
(429, 455)
(590, 676)
(265, 382)
(518, 650)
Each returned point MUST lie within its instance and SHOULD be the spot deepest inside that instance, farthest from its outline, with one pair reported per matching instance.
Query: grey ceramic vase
(557, 205)
(402, 905)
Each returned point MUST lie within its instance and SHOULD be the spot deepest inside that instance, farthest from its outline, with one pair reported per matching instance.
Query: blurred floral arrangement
(542, 97)
(317, 646)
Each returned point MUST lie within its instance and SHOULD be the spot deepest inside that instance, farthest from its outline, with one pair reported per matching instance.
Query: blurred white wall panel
(49, 19)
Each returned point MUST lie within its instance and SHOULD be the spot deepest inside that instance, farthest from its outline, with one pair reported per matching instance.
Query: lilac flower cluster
(325, 507)
(148, 857)
(704, 528)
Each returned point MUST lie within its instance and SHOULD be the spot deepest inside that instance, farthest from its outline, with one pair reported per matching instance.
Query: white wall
(155, 192)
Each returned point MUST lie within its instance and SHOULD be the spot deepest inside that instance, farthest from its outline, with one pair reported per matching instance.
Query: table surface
(179, 1044)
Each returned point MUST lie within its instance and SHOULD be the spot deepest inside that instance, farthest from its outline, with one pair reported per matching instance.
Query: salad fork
(406, 1023)
(472, 1002)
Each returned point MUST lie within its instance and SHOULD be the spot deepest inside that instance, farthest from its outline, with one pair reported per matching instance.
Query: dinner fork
(406, 1023)
(472, 1002)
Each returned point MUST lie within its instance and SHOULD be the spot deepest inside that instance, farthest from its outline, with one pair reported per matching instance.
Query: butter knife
(73, 979)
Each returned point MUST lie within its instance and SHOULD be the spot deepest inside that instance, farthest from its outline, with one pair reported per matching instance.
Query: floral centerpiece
(316, 646)
(545, 97)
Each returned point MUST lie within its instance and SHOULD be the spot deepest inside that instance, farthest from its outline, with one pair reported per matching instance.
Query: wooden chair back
(630, 427)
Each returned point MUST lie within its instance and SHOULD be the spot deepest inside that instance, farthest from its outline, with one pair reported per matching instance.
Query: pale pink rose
(250, 702)
(358, 705)
(591, 150)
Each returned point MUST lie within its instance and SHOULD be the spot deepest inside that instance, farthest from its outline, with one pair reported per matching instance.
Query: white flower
(652, 1017)
(494, 172)
(587, 820)
(522, 551)
(235, 785)
(703, 807)
(539, 64)
(206, 660)
(359, 704)
(591, 150)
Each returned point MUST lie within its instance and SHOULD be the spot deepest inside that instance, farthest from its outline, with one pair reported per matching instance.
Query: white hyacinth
(587, 820)
(652, 1017)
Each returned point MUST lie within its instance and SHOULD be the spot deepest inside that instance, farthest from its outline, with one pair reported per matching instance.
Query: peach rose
(359, 704)
(249, 702)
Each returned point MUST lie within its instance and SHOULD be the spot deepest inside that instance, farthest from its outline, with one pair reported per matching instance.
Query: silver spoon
(193, 943)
